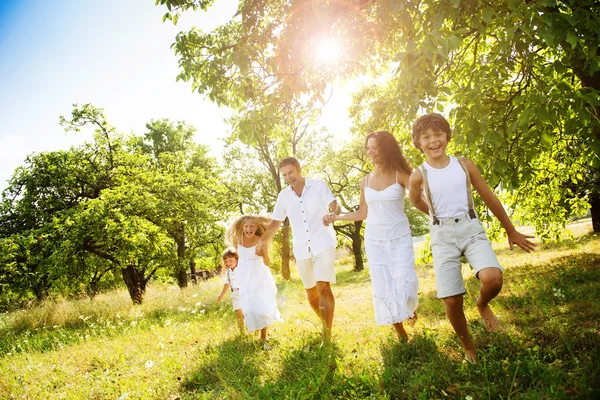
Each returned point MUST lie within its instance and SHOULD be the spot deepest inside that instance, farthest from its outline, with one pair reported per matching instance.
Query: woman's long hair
(234, 233)
(389, 151)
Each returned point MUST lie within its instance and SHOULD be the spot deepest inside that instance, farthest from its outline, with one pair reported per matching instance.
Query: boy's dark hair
(230, 252)
(433, 121)
(289, 161)
(391, 153)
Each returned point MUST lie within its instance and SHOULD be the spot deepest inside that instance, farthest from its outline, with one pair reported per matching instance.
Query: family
(440, 187)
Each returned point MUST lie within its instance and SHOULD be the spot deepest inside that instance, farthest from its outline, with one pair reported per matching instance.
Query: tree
(520, 80)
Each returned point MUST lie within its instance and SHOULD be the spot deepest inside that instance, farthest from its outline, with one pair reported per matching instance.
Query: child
(455, 230)
(230, 259)
(257, 286)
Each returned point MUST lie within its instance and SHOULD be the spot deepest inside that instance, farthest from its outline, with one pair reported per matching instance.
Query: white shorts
(319, 268)
(451, 239)
(235, 299)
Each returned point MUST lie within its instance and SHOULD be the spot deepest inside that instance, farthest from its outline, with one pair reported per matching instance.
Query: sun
(328, 50)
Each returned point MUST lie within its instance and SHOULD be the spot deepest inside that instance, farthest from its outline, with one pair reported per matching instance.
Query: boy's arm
(490, 200)
(220, 296)
(414, 191)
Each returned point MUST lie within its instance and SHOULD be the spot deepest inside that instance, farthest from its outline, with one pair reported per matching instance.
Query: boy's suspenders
(435, 220)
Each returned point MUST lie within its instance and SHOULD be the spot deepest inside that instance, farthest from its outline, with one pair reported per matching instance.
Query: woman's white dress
(257, 290)
(389, 248)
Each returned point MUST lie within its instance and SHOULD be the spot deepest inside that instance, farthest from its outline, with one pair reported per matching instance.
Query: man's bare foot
(487, 315)
(471, 356)
(412, 320)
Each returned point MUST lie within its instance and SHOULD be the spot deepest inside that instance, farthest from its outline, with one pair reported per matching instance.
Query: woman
(388, 241)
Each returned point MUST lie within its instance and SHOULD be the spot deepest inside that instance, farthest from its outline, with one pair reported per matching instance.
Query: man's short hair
(289, 161)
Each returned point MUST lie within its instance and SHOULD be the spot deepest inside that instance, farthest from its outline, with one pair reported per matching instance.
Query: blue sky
(114, 54)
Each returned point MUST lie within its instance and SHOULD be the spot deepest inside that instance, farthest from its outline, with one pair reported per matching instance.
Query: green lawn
(181, 344)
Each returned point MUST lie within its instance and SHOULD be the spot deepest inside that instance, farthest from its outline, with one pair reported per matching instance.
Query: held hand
(520, 240)
(260, 250)
(219, 297)
(328, 219)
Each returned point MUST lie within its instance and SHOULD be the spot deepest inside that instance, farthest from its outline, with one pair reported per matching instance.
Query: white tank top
(448, 188)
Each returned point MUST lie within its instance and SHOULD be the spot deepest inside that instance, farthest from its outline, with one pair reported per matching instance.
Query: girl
(257, 286)
(388, 241)
(230, 260)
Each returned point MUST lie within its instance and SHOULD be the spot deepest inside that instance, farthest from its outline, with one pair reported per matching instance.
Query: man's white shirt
(305, 212)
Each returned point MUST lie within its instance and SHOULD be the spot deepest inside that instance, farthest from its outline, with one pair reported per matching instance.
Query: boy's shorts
(235, 299)
(451, 239)
(318, 268)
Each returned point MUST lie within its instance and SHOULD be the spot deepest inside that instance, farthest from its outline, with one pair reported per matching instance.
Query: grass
(184, 345)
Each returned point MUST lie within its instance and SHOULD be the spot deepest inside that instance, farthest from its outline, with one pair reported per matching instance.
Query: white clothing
(305, 212)
(257, 290)
(320, 268)
(229, 278)
(391, 258)
(448, 188)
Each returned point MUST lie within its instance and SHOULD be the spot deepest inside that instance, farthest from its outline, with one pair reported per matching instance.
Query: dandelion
(198, 304)
(149, 364)
(202, 311)
(168, 322)
(193, 311)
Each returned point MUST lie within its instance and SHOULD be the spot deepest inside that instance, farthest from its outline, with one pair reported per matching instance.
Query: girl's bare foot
(401, 332)
(413, 320)
(489, 318)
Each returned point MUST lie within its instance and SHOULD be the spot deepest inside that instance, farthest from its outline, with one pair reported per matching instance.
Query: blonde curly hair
(234, 233)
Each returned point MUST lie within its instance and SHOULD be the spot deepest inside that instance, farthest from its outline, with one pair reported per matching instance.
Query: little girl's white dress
(389, 248)
(258, 293)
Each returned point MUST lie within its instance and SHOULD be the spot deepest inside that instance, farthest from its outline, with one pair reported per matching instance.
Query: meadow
(185, 345)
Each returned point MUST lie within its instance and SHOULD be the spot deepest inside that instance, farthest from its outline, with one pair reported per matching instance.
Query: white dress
(257, 290)
(389, 248)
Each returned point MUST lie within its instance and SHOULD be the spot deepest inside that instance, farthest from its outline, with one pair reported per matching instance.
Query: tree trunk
(357, 247)
(181, 272)
(41, 288)
(595, 211)
(135, 284)
(285, 250)
(193, 272)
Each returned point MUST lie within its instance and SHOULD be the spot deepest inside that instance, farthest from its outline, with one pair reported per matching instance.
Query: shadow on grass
(238, 368)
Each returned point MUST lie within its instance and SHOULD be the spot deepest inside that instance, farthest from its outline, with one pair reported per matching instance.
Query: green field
(182, 344)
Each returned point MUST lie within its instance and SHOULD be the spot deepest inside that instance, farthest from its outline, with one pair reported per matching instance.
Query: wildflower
(149, 364)
(168, 322)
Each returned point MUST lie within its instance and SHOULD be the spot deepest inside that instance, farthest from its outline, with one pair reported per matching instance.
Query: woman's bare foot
(413, 320)
(489, 318)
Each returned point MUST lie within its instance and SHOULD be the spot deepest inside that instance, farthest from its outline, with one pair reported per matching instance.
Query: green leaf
(572, 39)
(487, 15)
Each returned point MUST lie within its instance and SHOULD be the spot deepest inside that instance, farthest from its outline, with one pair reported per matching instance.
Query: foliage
(520, 81)
(120, 205)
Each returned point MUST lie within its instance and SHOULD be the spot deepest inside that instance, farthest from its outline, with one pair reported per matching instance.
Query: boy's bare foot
(401, 332)
(412, 320)
(471, 356)
(489, 318)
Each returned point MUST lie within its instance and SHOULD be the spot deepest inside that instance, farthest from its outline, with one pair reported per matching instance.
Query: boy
(230, 259)
(455, 230)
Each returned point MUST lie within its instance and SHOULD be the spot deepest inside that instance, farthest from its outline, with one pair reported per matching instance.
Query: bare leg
(400, 331)
(413, 320)
(312, 295)
(491, 283)
(263, 334)
(456, 316)
(326, 307)
(239, 315)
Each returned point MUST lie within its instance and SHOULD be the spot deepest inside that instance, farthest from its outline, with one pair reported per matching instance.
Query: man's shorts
(235, 299)
(319, 268)
(451, 239)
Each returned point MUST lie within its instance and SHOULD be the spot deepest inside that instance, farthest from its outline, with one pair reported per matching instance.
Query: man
(304, 202)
